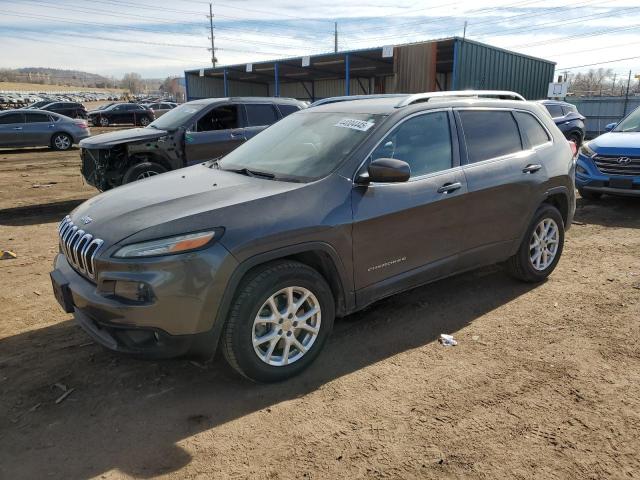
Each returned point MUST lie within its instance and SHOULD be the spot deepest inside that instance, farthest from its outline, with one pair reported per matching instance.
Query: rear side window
(489, 134)
(287, 109)
(424, 142)
(37, 118)
(260, 114)
(531, 128)
(11, 118)
(554, 110)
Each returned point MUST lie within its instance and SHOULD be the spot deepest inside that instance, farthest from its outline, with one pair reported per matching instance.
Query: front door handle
(449, 187)
(237, 133)
(532, 168)
(17, 128)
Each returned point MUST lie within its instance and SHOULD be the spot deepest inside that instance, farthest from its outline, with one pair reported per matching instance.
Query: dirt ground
(545, 381)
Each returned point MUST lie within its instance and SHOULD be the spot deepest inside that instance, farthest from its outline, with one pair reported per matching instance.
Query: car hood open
(189, 199)
(107, 140)
(617, 143)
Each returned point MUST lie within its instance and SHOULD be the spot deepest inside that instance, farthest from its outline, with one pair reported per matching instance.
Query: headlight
(166, 246)
(585, 150)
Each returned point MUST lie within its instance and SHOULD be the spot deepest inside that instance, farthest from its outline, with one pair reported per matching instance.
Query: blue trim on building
(454, 79)
(347, 75)
(226, 83)
(276, 73)
(186, 87)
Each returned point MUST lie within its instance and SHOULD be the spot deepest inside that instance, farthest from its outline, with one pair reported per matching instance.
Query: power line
(598, 63)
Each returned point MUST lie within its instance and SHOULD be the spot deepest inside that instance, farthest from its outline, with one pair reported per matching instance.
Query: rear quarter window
(531, 129)
(489, 134)
(288, 109)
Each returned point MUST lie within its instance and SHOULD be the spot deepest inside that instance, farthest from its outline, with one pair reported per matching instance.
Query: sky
(159, 38)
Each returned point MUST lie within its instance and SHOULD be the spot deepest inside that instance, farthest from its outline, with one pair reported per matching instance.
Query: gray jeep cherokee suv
(323, 213)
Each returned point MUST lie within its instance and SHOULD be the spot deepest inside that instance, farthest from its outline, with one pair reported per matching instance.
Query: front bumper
(176, 319)
(589, 178)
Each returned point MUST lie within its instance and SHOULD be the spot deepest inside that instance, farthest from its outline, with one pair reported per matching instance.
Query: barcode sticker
(361, 125)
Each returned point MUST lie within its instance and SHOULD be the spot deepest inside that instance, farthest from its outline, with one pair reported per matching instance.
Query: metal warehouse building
(447, 64)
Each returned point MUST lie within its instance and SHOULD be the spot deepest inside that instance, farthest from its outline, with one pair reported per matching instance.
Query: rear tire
(61, 142)
(143, 170)
(576, 138)
(144, 121)
(291, 306)
(587, 195)
(104, 122)
(541, 248)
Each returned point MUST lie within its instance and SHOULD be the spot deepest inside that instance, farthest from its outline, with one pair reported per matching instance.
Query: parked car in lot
(35, 128)
(160, 108)
(191, 133)
(122, 113)
(68, 109)
(319, 215)
(567, 118)
(611, 162)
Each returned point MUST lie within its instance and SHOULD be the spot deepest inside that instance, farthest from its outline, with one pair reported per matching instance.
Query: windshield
(176, 117)
(630, 124)
(302, 146)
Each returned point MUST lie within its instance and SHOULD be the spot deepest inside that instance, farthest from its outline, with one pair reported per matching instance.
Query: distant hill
(54, 76)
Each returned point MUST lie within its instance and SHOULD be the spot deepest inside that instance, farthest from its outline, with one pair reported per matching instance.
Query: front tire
(541, 248)
(143, 170)
(279, 321)
(104, 122)
(144, 121)
(61, 142)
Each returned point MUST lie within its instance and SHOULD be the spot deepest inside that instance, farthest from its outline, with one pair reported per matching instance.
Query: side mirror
(386, 170)
(610, 127)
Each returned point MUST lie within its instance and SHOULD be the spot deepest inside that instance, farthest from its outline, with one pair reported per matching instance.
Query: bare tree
(132, 82)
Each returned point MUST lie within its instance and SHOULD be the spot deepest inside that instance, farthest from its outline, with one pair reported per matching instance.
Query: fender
(209, 341)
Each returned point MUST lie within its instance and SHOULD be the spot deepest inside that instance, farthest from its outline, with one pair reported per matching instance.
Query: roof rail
(350, 98)
(425, 97)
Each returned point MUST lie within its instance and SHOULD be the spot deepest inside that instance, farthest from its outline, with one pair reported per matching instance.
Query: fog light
(581, 170)
(136, 291)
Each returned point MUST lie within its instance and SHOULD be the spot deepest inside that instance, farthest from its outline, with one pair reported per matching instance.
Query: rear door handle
(17, 128)
(449, 187)
(532, 168)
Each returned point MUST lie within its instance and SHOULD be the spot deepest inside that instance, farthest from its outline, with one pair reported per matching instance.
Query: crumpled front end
(100, 167)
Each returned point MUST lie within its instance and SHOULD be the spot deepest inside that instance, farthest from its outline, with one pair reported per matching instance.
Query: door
(38, 129)
(501, 173)
(11, 129)
(258, 117)
(214, 134)
(407, 233)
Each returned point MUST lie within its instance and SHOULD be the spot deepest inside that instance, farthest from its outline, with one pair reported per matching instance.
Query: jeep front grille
(79, 247)
(612, 166)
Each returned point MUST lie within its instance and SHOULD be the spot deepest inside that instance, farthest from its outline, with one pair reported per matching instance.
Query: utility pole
(213, 48)
(464, 32)
(626, 96)
(335, 37)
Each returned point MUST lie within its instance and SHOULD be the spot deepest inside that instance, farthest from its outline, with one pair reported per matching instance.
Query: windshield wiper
(249, 173)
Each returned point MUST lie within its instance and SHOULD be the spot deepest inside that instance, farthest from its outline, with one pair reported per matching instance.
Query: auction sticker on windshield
(361, 125)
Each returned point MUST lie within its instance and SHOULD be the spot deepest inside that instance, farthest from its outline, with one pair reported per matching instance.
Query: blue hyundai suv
(611, 162)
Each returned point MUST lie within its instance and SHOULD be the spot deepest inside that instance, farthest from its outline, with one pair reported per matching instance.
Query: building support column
(225, 82)
(277, 79)
(347, 76)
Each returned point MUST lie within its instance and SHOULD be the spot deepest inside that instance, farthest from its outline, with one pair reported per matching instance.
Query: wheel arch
(318, 255)
(559, 198)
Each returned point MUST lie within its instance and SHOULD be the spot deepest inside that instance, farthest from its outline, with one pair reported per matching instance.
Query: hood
(110, 139)
(617, 143)
(185, 200)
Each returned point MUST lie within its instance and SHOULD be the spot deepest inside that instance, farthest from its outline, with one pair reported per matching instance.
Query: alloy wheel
(286, 326)
(147, 174)
(62, 142)
(544, 243)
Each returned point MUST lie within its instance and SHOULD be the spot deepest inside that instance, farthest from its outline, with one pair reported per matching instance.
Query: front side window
(489, 134)
(11, 118)
(424, 142)
(260, 114)
(220, 118)
(531, 127)
(304, 146)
